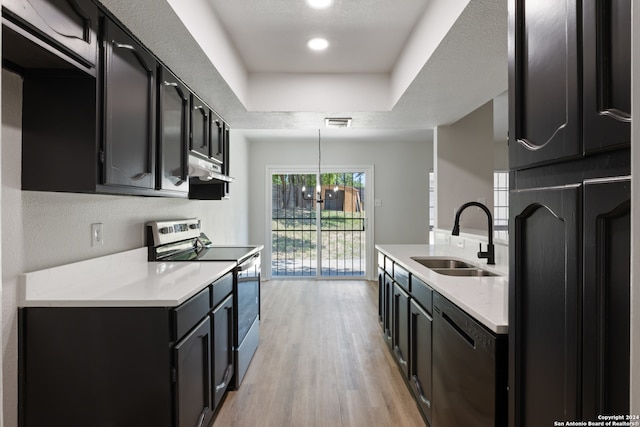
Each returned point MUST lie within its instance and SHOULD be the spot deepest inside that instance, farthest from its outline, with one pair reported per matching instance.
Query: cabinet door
(216, 138)
(173, 134)
(607, 73)
(199, 127)
(400, 332)
(130, 112)
(606, 300)
(420, 368)
(543, 306)
(387, 325)
(69, 25)
(193, 377)
(544, 120)
(222, 348)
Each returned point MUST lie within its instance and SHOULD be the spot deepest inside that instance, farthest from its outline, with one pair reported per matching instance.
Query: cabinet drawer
(221, 288)
(422, 293)
(188, 314)
(401, 276)
(380, 260)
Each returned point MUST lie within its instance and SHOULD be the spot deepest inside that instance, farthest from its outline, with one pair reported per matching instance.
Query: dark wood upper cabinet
(606, 299)
(544, 289)
(200, 127)
(544, 121)
(129, 86)
(69, 25)
(606, 74)
(173, 133)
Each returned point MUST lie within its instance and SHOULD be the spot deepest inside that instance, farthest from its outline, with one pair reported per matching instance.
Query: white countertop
(483, 298)
(124, 279)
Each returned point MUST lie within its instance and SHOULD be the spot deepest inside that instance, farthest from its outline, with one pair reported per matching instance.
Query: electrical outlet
(97, 235)
(377, 203)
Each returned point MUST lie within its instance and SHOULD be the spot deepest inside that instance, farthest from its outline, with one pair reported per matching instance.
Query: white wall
(401, 168)
(464, 154)
(41, 230)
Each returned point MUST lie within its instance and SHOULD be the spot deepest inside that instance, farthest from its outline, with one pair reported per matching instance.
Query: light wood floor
(321, 361)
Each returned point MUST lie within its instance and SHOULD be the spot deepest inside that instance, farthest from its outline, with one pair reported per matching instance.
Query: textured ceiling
(468, 68)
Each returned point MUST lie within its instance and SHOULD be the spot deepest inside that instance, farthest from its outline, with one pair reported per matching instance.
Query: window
(432, 207)
(501, 200)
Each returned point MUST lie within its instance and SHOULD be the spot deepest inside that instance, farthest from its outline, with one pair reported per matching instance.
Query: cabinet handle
(170, 84)
(123, 46)
(140, 176)
(399, 355)
(202, 416)
(225, 379)
(424, 400)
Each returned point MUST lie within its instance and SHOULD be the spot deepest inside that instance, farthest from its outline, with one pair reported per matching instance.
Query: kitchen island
(447, 332)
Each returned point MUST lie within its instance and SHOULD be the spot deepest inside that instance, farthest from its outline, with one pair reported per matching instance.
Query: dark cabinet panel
(217, 137)
(544, 306)
(420, 372)
(544, 118)
(173, 134)
(607, 73)
(606, 301)
(199, 127)
(223, 365)
(68, 25)
(387, 324)
(400, 331)
(129, 110)
(193, 377)
(381, 297)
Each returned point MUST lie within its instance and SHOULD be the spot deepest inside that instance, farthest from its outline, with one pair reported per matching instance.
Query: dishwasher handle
(457, 328)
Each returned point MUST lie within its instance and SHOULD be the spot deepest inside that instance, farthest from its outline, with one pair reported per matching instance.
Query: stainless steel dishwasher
(469, 370)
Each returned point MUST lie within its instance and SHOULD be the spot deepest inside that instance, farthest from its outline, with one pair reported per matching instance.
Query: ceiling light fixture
(318, 44)
(319, 4)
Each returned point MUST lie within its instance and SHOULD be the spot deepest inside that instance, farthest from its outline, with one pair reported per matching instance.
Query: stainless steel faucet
(490, 253)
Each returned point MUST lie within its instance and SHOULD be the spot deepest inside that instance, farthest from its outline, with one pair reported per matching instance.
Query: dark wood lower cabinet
(127, 366)
(606, 299)
(223, 361)
(400, 331)
(544, 286)
(569, 312)
(420, 369)
(194, 406)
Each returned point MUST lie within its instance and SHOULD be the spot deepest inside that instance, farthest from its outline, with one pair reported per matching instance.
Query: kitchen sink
(442, 263)
(464, 272)
(452, 267)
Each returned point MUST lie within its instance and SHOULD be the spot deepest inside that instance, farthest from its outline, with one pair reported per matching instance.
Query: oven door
(247, 293)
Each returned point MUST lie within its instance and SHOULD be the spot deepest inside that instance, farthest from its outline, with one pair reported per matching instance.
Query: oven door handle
(253, 261)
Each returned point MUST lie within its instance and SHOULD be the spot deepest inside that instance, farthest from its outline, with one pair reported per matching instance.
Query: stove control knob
(165, 230)
(194, 226)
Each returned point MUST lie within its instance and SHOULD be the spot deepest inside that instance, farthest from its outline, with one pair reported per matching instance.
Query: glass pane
(342, 219)
(293, 225)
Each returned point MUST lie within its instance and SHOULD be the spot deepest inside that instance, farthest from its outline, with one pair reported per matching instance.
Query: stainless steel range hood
(206, 170)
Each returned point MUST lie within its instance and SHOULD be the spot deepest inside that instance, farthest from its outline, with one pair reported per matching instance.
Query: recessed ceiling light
(318, 43)
(319, 4)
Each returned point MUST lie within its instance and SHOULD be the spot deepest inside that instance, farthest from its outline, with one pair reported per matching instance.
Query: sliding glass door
(318, 224)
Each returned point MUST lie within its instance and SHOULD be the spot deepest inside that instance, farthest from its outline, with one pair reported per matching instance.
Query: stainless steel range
(183, 240)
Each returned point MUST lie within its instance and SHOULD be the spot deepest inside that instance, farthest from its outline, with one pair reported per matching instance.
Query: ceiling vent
(337, 122)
